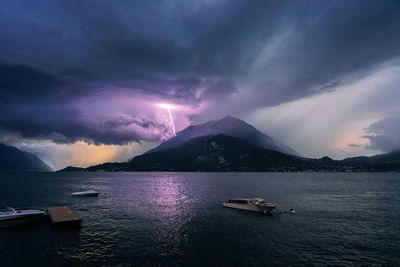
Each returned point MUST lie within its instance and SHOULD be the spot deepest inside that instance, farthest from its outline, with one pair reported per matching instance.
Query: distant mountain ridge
(226, 153)
(13, 159)
(71, 169)
(218, 153)
(229, 126)
(382, 162)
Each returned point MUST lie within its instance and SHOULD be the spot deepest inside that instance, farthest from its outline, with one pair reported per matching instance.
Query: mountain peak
(326, 159)
(229, 117)
(232, 122)
(229, 126)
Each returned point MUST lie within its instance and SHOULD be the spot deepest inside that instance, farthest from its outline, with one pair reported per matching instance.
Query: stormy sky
(81, 82)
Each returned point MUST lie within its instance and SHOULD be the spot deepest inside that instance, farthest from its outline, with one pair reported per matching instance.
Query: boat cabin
(247, 201)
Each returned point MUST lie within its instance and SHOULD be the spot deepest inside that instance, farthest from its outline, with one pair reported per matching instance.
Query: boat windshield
(6, 209)
(239, 201)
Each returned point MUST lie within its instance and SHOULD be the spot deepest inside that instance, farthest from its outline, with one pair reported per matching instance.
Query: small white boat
(89, 193)
(251, 204)
(12, 217)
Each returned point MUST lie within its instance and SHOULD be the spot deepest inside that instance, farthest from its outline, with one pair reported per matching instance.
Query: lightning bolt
(168, 107)
(171, 120)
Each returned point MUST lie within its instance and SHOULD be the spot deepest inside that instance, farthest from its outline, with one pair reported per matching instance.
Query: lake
(153, 219)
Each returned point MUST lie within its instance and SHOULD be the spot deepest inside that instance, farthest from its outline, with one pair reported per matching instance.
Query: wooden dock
(63, 217)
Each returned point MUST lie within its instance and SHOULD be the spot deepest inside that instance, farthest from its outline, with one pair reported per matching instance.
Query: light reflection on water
(177, 219)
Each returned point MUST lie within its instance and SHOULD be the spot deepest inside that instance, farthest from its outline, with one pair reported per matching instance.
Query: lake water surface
(153, 219)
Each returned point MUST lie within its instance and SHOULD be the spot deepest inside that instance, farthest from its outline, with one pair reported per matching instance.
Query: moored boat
(250, 204)
(12, 217)
(89, 193)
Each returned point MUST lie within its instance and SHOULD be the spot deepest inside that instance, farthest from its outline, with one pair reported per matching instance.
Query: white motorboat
(251, 204)
(89, 193)
(12, 217)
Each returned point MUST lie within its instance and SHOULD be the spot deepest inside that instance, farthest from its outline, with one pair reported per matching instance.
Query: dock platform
(63, 217)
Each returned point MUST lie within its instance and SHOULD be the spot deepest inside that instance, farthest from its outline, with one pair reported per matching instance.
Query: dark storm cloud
(384, 134)
(22, 81)
(67, 125)
(194, 90)
(146, 52)
(53, 53)
(327, 43)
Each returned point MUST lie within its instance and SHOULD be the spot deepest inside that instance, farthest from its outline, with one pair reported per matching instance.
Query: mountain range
(231, 144)
(228, 144)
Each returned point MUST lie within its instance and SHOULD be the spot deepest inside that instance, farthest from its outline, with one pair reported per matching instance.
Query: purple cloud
(93, 71)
